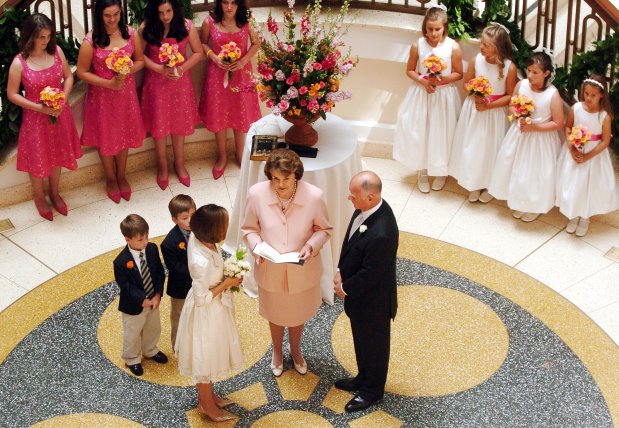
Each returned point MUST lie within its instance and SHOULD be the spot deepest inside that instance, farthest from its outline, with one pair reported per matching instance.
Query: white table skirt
(337, 161)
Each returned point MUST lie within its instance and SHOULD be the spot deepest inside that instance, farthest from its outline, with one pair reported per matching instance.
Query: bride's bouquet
(236, 266)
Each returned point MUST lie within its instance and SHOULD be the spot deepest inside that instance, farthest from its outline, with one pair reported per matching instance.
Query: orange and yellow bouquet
(523, 106)
(434, 64)
(229, 53)
(479, 86)
(170, 56)
(54, 98)
(579, 136)
(119, 62)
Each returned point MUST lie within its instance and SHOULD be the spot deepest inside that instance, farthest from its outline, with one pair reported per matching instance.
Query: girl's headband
(500, 25)
(594, 82)
(434, 4)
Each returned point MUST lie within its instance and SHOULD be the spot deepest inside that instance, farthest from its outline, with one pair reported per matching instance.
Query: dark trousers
(372, 341)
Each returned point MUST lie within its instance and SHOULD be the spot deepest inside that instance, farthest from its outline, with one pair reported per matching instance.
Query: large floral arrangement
(299, 75)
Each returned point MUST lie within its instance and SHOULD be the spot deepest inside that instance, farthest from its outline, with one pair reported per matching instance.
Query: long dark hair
(153, 27)
(32, 27)
(99, 35)
(602, 86)
(543, 61)
(241, 16)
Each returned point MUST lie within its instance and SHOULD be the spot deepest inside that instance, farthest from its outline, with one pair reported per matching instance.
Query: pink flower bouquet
(479, 86)
(579, 136)
(119, 62)
(54, 98)
(170, 56)
(229, 53)
(523, 106)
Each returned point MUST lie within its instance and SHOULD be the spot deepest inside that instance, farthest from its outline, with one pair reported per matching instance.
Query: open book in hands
(265, 251)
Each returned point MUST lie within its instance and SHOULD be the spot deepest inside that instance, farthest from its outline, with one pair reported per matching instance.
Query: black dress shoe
(347, 384)
(136, 369)
(159, 357)
(358, 403)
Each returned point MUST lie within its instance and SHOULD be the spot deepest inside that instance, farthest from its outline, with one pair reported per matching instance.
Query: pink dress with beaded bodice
(169, 107)
(112, 119)
(43, 145)
(220, 107)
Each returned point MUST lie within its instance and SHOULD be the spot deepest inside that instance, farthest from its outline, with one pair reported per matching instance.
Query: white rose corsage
(362, 228)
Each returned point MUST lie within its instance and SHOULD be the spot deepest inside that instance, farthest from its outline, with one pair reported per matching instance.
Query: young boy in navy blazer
(140, 276)
(174, 249)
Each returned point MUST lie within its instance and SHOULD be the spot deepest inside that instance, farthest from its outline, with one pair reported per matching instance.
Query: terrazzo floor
(498, 325)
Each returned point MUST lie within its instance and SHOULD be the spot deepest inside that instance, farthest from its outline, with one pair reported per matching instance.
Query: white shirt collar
(368, 213)
(136, 255)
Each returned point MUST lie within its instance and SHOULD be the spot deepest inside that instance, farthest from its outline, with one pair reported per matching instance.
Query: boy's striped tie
(149, 289)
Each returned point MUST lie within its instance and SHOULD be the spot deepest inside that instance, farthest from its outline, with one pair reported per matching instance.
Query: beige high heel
(225, 417)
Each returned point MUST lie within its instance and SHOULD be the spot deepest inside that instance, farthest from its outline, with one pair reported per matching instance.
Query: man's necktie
(355, 225)
(149, 289)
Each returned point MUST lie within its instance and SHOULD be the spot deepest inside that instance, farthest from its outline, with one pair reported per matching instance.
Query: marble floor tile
(608, 320)
(601, 236)
(563, 261)
(397, 193)
(595, 291)
(232, 183)
(429, 214)
(10, 292)
(451, 185)
(388, 169)
(554, 218)
(206, 191)
(20, 267)
(22, 215)
(93, 229)
(491, 230)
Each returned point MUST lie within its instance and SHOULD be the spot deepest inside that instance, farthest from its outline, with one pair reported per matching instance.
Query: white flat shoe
(485, 197)
(300, 368)
(529, 217)
(423, 183)
(439, 183)
(277, 370)
(572, 225)
(517, 214)
(583, 227)
(474, 196)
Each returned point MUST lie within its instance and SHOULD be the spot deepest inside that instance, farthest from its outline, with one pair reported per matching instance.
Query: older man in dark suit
(366, 280)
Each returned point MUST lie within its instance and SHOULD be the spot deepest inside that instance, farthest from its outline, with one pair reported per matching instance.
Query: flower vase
(301, 132)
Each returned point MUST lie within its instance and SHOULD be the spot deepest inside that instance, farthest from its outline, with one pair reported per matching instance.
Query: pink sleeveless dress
(43, 145)
(112, 119)
(220, 108)
(169, 107)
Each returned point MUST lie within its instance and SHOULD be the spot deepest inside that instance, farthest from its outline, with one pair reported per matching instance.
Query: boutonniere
(182, 245)
(362, 228)
(130, 264)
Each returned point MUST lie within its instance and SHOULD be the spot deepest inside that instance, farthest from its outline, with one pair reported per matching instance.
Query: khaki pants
(140, 335)
(176, 308)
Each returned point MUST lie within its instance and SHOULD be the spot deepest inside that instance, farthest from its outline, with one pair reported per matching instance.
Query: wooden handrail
(607, 11)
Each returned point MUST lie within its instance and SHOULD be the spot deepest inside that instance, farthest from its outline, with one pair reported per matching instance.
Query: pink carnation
(317, 66)
(283, 105)
(303, 90)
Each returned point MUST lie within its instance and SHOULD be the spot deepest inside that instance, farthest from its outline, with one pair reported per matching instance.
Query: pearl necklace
(286, 203)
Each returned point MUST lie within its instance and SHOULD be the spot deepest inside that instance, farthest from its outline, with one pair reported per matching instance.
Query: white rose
(362, 228)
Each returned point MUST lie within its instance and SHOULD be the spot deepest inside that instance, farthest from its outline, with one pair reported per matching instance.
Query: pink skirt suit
(289, 294)
(43, 145)
(112, 119)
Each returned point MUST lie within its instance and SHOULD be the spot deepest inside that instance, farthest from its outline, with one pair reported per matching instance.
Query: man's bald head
(365, 188)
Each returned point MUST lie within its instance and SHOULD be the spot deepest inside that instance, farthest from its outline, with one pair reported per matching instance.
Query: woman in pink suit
(220, 107)
(289, 215)
(112, 119)
(48, 139)
(169, 105)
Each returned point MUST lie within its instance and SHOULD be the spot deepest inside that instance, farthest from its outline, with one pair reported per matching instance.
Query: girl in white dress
(586, 183)
(526, 166)
(429, 113)
(207, 345)
(483, 121)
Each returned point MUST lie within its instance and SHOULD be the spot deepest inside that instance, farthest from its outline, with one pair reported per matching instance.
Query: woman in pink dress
(169, 105)
(48, 139)
(225, 107)
(112, 119)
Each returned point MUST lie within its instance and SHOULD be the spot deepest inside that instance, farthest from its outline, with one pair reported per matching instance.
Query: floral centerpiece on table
(54, 98)
(579, 136)
(236, 266)
(119, 61)
(479, 86)
(299, 75)
(523, 106)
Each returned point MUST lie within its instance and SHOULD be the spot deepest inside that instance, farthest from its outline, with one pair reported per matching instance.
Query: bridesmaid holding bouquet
(48, 139)
(169, 105)
(108, 59)
(222, 106)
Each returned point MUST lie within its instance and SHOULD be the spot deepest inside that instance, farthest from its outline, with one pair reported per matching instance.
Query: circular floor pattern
(87, 420)
(55, 366)
(290, 418)
(445, 341)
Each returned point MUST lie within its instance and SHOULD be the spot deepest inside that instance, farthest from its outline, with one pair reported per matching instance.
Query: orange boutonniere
(181, 245)
(130, 264)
